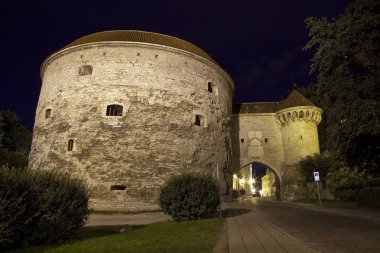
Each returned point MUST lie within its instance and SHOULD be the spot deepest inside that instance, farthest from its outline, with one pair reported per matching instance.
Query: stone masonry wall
(278, 141)
(161, 90)
(262, 140)
(299, 134)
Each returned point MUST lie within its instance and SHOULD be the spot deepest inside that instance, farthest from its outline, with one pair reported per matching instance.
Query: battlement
(308, 114)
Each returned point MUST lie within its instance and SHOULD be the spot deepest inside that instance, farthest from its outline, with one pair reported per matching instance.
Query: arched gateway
(276, 135)
(258, 178)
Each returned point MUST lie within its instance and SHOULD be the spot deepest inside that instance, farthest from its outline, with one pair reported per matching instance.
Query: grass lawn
(334, 204)
(168, 236)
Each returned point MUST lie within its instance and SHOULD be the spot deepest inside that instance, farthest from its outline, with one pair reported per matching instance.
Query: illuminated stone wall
(175, 109)
(126, 116)
(268, 182)
(299, 132)
(257, 138)
(276, 139)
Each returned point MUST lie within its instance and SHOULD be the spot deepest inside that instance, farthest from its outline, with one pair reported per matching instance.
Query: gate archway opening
(258, 180)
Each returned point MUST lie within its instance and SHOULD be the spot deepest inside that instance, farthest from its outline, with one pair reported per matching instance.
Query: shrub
(190, 197)
(39, 207)
(345, 183)
(14, 212)
(323, 163)
(62, 206)
(369, 197)
(13, 159)
(242, 192)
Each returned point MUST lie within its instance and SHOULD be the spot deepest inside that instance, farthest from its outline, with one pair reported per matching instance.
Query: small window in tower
(209, 87)
(266, 140)
(241, 140)
(85, 70)
(212, 88)
(301, 137)
(301, 115)
(70, 145)
(47, 113)
(114, 110)
(118, 187)
(199, 120)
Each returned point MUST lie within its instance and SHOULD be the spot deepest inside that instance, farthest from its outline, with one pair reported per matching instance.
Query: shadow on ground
(233, 212)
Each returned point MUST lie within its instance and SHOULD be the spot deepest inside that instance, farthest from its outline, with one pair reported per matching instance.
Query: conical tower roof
(140, 36)
(295, 98)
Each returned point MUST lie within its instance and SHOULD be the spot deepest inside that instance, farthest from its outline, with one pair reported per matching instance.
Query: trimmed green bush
(39, 207)
(190, 197)
(369, 197)
(14, 212)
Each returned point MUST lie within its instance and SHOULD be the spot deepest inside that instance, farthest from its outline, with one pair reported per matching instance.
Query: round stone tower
(299, 119)
(126, 110)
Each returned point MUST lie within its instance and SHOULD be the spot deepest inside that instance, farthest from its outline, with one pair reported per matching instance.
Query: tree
(16, 135)
(15, 140)
(347, 65)
(1, 130)
(323, 163)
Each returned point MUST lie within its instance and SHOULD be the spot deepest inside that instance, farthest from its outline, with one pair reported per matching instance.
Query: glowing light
(252, 181)
(235, 176)
(261, 192)
(242, 181)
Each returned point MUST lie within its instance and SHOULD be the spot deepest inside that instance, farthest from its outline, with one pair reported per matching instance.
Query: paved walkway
(249, 232)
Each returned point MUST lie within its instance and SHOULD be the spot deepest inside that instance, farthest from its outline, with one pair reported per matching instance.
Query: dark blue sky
(257, 42)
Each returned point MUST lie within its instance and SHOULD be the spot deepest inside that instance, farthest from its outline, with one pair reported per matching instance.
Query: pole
(217, 171)
(220, 204)
(319, 194)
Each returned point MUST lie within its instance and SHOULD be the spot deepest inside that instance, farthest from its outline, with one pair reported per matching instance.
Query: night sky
(259, 43)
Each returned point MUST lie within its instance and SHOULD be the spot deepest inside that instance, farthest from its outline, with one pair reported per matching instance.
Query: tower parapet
(300, 113)
(299, 119)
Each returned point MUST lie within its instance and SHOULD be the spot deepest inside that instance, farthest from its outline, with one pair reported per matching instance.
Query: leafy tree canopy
(347, 65)
(15, 140)
(1, 130)
(323, 163)
(15, 135)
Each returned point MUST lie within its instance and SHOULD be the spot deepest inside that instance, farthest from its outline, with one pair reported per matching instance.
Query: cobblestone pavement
(249, 231)
(284, 227)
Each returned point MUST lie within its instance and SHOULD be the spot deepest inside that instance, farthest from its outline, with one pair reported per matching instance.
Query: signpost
(316, 179)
